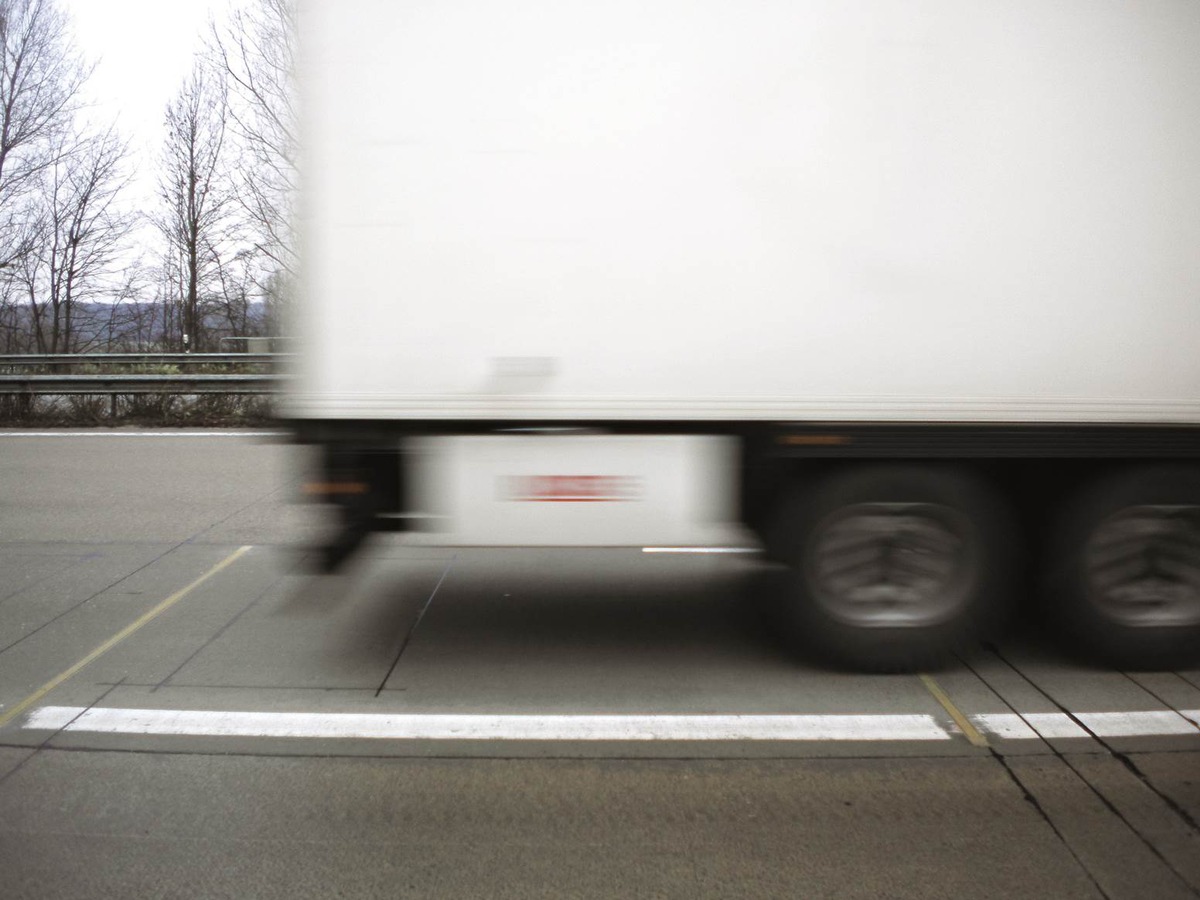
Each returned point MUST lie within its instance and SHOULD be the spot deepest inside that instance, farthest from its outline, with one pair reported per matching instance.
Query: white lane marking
(700, 550)
(52, 718)
(1128, 724)
(129, 434)
(1029, 725)
(1148, 723)
(490, 727)
(915, 727)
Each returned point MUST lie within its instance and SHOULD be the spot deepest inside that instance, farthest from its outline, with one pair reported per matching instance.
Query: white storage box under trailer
(903, 294)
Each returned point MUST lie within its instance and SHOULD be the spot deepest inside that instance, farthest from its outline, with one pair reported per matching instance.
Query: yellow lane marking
(125, 632)
(970, 732)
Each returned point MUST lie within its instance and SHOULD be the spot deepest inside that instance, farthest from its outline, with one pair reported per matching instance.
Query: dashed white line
(490, 727)
(701, 550)
(465, 727)
(1029, 725)
(1148, 723)
(1131, 724)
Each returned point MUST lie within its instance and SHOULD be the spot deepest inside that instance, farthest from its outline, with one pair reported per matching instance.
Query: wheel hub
(891, 564)
(1142, 566)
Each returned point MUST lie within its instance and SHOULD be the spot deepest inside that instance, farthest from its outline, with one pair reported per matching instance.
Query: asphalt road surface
(185, 715)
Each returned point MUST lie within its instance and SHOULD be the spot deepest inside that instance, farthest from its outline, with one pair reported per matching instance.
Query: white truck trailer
(897, 288)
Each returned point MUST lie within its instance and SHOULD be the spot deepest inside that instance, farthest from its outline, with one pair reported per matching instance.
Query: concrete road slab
(1169, 688)
(1031, 681)
(11, 758)
(413, 629)
(1175, 776)
(26, 567)
(96, 866)
(314, 633)
(168, 489)
(1149, 813)
(1120, 860)
(159, 648)
(46, 652)
(46, 582)
(619, 632)
(1078, 687)
(558, 828)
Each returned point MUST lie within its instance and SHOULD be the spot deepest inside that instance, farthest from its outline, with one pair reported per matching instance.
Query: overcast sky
(143, 49)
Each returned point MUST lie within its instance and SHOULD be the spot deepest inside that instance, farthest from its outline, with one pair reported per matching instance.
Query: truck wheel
(1123, 573)
(892, 567)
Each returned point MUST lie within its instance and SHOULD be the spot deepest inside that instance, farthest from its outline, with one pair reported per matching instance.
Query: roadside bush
(259, 408)
(206, 409)
(137, 409)
(87, 409)
(149, 408)
(17, 408)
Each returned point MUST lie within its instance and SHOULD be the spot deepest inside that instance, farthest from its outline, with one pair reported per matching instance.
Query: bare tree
(129, 316)
(255, 51)
(235, 304)
(77, 258)
(14, 322)
(195, 218)
(40, 78)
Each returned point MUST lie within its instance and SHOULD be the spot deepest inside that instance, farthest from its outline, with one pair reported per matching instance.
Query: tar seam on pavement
(53, 735)
(9, 714)
(220, 631)
(1179, 811)
(412, 630)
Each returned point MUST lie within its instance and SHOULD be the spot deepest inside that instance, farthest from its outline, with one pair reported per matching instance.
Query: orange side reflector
(815, 440)
(335, 487)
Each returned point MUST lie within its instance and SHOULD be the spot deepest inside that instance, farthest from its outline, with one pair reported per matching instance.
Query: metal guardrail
(234, 383)
(19, 382)
(63, 360)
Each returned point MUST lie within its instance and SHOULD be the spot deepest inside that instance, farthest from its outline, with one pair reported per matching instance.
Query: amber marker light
(335, 488)
(815, 440)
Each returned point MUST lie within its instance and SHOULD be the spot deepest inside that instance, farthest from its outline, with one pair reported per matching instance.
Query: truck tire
(892, 567)
(1122, 576)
